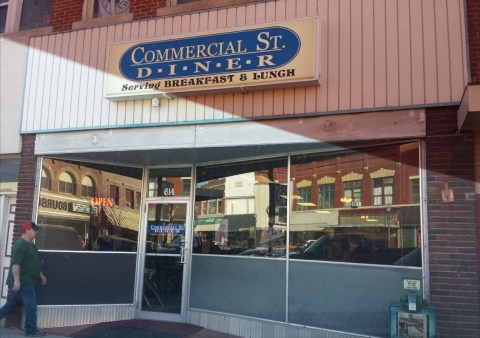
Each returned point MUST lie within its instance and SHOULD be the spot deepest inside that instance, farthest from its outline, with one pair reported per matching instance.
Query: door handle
(182, 255)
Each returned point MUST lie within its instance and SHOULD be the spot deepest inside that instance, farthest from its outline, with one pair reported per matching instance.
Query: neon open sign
(102, 201)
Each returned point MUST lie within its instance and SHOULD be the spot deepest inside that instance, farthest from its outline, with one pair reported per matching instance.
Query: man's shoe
(37, 333)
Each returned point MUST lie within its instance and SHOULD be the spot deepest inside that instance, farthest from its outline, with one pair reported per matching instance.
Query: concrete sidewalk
(9, 333)
(136, 328)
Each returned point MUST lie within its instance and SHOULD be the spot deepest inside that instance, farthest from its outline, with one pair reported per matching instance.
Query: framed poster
(408, 324)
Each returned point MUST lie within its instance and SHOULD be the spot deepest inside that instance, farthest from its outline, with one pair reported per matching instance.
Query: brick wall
(452, 226)
(24, 207)
(473, 17)
(64, 13)
(145, 9)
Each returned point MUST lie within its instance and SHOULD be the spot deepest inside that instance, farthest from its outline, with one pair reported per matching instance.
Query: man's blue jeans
(28, 297)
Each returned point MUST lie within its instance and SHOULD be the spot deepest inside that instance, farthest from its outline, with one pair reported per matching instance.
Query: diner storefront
(261, 175)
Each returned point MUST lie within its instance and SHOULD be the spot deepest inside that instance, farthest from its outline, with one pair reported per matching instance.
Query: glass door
(164, 257)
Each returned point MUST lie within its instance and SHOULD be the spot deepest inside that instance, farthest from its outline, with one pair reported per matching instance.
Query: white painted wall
(13, 60)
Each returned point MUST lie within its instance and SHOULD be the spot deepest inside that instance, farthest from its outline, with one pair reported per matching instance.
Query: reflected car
(174, 246)
(115, 243)
(58, 237)
(263, 252)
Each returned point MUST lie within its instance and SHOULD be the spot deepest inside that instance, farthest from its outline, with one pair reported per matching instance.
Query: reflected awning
(123, 217)
(207, 223)
(235, 223)
(313, 220)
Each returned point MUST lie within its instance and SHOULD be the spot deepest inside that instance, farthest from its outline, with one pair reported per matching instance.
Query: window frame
(116, 197)
(87, 191)
(89, 11)
(415, 185)
(14, 17)
(130, 198)
(354, 192)
(322, 194)
(382, 195)
(306, 198)
(63, 186)
(46, 182)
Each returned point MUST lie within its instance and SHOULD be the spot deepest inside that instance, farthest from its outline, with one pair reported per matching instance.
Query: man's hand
(43, 279)
(16, 285)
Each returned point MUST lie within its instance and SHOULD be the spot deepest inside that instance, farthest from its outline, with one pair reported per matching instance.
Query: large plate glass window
(357, 206)
(241, 224)
(84, 208)
(90, 229)
(241, 208)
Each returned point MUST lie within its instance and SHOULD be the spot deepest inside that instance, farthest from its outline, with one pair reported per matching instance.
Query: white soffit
(170, 137)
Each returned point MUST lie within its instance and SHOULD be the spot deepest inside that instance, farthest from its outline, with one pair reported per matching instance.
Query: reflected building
(82, 208)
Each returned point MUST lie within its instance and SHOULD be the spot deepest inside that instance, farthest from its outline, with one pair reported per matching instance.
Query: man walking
(23, 277)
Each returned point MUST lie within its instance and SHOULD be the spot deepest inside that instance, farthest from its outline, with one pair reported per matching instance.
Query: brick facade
(452, 226)
(145, 9)
(473, 17)
(64, 13)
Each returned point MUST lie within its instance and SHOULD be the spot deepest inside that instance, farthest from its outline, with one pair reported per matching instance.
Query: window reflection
(46, 179)
(169, 182)
(98, 215)
(350, 206)
(35, 14)
(366, 208)
(241, 209)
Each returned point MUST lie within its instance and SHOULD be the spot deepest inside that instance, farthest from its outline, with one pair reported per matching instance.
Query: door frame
(171, 317)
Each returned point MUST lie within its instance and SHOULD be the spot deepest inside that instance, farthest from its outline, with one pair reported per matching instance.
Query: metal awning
(123, 217)
(313, 220)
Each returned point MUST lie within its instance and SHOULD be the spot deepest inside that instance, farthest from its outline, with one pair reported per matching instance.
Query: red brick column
(452, 226)
(24, 208)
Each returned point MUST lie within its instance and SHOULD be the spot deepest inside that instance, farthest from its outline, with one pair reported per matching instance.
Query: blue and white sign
(227, 53)
(166, 228)
(279, 54)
